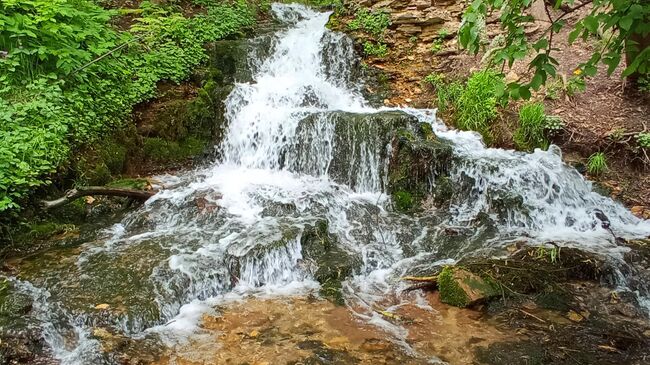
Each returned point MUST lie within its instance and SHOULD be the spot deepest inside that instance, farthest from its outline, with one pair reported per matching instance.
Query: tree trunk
(630, 54)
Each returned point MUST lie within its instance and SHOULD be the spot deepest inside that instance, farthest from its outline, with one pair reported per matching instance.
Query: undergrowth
(530, 133)
(374, 24)
(597, 163)
(473, 105)
(68, 76)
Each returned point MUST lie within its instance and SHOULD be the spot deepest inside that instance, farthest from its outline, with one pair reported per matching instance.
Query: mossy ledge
(419, 157)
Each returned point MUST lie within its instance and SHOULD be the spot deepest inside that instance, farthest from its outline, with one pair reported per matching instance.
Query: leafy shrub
(47, 108)
(52, 36)
(597, 163)
(375, 49)
(530, 133)
(553, 125)
(643, 139)
(447, 93)
(625, 21)
(371, 22)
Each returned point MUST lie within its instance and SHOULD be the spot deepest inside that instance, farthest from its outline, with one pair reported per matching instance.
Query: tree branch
(79, 192)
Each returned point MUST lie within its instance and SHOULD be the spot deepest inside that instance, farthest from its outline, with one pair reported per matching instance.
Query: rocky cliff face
(420, 39)
(421, 18)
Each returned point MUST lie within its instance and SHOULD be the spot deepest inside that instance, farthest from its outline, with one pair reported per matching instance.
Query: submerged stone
(334, 264)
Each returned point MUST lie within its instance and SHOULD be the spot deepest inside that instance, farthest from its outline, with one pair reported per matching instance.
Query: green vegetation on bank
(473, 105)
(69, 75)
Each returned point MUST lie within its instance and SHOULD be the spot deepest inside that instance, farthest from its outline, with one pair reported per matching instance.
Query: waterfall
(304, 147)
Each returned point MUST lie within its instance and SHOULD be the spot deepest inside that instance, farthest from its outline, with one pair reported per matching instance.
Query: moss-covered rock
(130, 183)
(418, 157)
(162, 150)
(334, 264)
(461, 288)
(443, 191)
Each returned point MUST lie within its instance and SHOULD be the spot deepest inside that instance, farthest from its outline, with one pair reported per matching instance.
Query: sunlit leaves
(617, 22)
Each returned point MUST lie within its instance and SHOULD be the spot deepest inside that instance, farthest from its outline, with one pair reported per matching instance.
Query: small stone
(254, 333)
(102, 306)
(375, 345)
(512, 77)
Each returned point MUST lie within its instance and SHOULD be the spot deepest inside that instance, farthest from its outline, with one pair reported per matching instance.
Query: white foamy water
(234, 228)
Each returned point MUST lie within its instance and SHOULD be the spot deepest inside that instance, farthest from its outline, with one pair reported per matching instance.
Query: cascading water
(289, 162)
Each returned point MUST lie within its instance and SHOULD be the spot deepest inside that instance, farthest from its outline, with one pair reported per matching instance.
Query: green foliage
(403, 201)
(532, 122)
(553, 254)
(623, 20)
(473, 106)
(477, 106)
(372, 22)
(436, 46)
(375, 49)
(447, 93)
(643, 83)
(438, 42)
(597, 163)
(57, 93)
(44, 37)
(643, 139)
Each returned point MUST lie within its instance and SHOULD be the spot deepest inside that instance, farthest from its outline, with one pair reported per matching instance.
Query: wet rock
(333, 263)
(417, 159)
(461, 288)
(359, 149)
(231, 57)
(21, 342)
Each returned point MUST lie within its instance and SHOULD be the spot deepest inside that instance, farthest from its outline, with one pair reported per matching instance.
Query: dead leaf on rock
(575, 317)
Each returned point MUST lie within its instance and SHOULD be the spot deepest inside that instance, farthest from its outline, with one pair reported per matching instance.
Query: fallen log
(82, 191)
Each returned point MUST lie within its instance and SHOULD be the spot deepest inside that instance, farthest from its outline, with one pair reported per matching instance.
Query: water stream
(288, 163)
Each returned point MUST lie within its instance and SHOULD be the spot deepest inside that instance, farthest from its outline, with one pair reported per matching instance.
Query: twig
(106, 55)
(532, 315)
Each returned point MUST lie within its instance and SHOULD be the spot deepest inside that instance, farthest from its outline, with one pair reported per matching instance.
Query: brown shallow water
(305, 330)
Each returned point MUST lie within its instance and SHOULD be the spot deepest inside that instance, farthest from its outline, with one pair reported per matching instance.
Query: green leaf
(591, 23)
(626, 22)
(612, 60)
(590, 70)
(537, 81)
(575, 33)
(540, 44)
